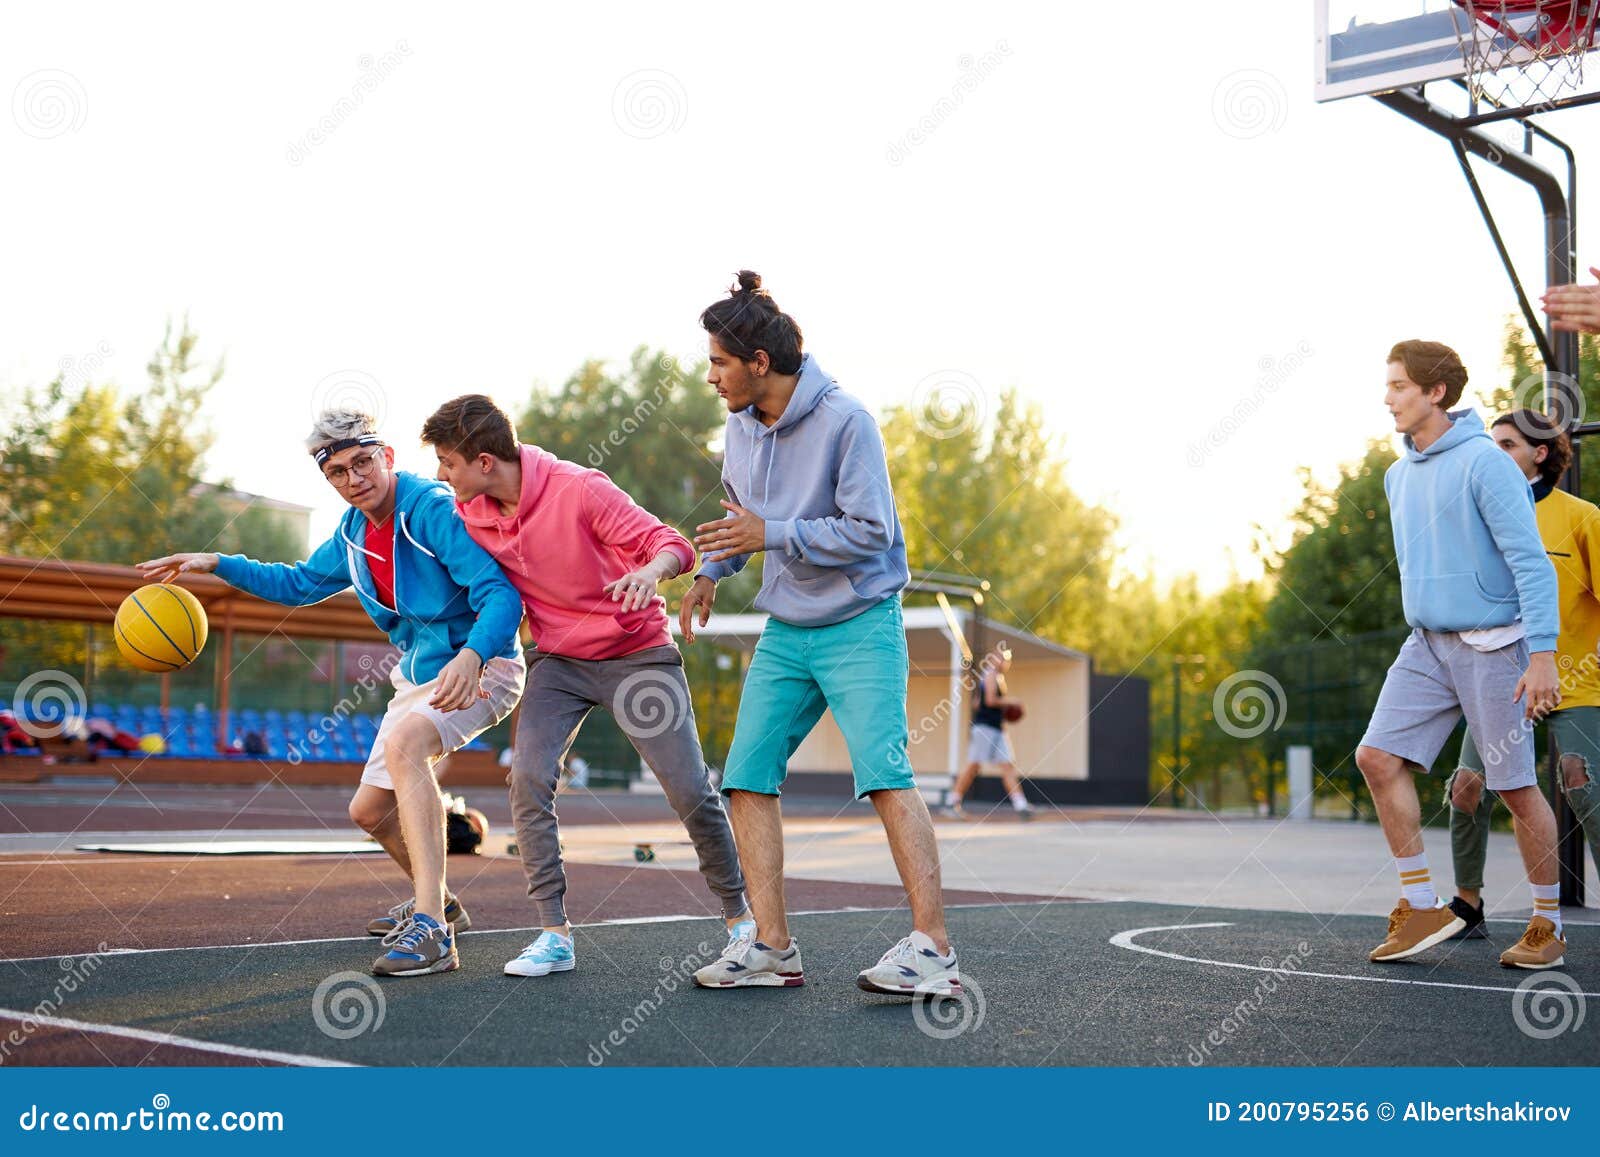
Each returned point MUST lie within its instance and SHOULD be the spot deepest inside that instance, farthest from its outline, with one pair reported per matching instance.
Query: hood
(484, 511)
(409, 490)
(813, 386)
(1465, 425)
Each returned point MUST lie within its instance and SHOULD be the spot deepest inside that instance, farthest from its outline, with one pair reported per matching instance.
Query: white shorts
(502, 679)
(988, 745)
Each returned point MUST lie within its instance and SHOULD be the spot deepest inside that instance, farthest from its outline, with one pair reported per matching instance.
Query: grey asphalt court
(1100, 983)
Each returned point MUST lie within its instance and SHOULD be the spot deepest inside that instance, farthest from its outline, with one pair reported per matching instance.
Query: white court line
(166, 1038)
(479, 932)
(1125, 940)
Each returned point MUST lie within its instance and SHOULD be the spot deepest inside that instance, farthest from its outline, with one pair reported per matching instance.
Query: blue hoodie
(1466, 537)
(819, 478)
(448, 592)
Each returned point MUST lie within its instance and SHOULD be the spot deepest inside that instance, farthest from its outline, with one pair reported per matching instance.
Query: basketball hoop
(1525, 53)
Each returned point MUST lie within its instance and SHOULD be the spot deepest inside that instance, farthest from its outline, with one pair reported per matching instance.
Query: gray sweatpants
(648, 695)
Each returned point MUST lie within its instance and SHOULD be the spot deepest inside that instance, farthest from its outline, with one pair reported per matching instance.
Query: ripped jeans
(1576, 731)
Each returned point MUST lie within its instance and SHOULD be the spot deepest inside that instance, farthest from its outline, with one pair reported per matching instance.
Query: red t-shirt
(380, 541)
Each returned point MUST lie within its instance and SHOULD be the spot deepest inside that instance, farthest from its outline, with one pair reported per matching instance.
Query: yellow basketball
(160, 627)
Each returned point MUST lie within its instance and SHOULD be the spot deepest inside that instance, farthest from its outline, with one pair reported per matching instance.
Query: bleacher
(191, 733)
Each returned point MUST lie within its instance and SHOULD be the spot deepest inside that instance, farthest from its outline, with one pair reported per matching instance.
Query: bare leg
(1536, 833)
(1394, 794)
(408, 752)
(964, 781)
(916, 857)
(373, 810)
(758, 831)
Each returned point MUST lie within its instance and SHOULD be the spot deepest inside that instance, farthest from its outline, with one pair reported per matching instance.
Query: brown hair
(1539, 430)
(471, 425)
(1431, 363)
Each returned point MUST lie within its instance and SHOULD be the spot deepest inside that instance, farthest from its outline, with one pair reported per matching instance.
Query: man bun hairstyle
(471, 425)
(1431, 363)
(1541, 431)
(748, 320)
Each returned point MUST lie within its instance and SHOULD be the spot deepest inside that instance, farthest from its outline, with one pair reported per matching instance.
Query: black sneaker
(1474, 918)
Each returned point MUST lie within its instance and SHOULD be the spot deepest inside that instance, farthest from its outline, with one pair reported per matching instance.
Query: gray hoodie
(819, 478)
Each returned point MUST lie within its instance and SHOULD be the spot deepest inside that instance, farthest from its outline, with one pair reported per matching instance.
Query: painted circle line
(1125, 940)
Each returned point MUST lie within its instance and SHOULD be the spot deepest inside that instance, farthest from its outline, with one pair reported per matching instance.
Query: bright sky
(1143, 224)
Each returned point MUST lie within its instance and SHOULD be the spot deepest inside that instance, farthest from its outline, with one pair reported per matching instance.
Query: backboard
(1372, 46)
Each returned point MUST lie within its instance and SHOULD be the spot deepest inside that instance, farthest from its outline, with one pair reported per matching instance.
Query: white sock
(1415, 883)
(1020, 801)
(1547, 903)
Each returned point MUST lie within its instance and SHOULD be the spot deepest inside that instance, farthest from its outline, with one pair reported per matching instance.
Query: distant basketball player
(988, 743)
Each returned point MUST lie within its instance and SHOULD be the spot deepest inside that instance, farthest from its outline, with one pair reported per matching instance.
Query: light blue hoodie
(1466, 537)
(819, 478)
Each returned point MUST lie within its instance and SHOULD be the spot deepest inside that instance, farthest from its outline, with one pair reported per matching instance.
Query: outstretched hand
(169, 567)
(740, 533)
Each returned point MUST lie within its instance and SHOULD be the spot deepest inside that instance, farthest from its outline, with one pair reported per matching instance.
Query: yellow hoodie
(1570, 530)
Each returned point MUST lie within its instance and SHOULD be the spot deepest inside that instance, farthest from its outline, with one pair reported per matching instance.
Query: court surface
(259, 959)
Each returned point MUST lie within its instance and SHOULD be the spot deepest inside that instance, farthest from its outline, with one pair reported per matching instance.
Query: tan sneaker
(1539, 947)
(1414, 930)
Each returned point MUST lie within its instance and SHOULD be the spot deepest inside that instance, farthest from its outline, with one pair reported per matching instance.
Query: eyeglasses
(361, 466)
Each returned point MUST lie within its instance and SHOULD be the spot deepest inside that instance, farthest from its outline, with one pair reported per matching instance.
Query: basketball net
(1525, 53)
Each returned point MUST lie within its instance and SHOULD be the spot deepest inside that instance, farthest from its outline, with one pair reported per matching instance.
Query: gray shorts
(988, 745)
(1435, 680)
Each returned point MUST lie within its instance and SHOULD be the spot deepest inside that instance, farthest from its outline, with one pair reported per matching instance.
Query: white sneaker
(747, 962)
(913, 967)
(549, 952)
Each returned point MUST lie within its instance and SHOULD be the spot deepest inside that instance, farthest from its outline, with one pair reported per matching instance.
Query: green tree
(1338, 576)
(94, 475)
(1524, 378)
(651, 427)
(991, 501)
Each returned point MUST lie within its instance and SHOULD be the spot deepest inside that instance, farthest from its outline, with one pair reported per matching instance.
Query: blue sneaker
(549, 952)
(400, 913)
(419, 946)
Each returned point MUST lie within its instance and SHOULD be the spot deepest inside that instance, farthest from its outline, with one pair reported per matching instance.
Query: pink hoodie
(575, 531)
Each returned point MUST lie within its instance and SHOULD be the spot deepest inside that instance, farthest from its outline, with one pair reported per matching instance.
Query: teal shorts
(857, 669)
